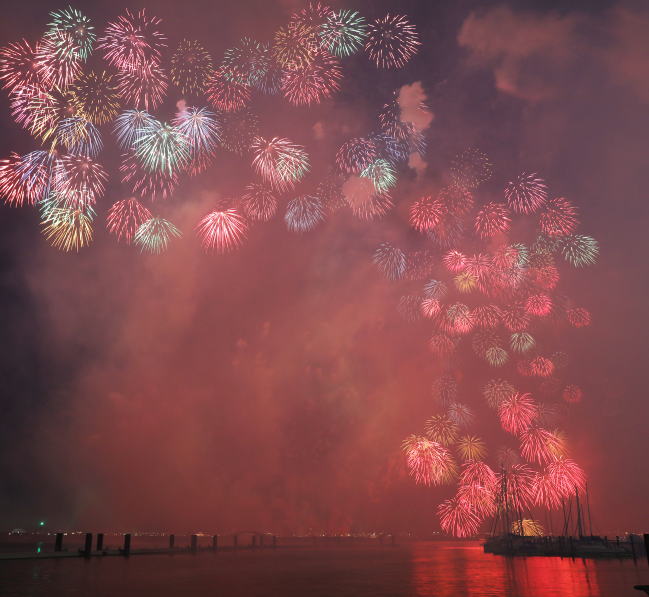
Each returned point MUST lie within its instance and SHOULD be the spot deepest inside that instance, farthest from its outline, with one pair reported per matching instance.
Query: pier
(89, 545)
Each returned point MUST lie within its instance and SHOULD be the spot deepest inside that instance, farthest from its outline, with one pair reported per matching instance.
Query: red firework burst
(227, 94)
(425, 213)
(311, 84)
(517, 413)
(558, 217)
(125, 217)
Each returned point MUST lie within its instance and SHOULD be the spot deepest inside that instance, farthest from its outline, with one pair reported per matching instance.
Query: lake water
(430, 569)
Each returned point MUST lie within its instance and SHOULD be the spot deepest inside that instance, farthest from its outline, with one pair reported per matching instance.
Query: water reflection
(427, 569)
(450, 569)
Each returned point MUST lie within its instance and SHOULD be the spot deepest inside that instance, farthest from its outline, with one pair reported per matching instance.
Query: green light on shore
(41, 523)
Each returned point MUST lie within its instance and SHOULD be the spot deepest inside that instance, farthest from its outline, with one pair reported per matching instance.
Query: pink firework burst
(144, 87)
(567, 476)
(517, 413)
(458, 518)
(22, 183)
(19, 65)
(520, 486)
(222, 230)
(428, 461)
(492, 219)
(540, 445)
(132, 41)
(526, 194)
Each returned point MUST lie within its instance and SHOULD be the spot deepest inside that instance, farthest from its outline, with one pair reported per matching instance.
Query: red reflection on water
(462, 568)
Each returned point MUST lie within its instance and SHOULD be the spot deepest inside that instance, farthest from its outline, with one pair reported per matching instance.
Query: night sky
(271, 388)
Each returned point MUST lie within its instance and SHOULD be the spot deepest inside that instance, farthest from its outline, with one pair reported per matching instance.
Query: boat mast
(580, 530)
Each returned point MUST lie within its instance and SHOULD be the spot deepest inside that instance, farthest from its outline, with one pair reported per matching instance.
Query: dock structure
(132, 544)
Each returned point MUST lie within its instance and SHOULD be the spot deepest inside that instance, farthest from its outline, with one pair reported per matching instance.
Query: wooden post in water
(254, 541)
(646, 545)
(87, 545)
(274, 540)
(632, 547)
(235, 541)
(194, 543)
(172, 541)
(215, 542)
(100, 541)
(126, 550)
(58, 542)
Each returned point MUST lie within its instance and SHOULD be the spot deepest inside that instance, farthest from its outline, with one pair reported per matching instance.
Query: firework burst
(442, 429)
(154, 235)
(144, 87)
(191, 67)
(163, 148)
(247, 63)
(517, 412)
(343, 32)
(222, 230)
(67, 228)
(311, 84)
(22, 182)
(97, 96)
(279, 162)
(202, 131)
(125, 217)
(391, 41)
(19, 66)
(390, 260)
(526, 194)
(471, 447)
(458, 518)
(133, 41)
(227, 94)
(259, 202)
(429, 462)
(303, 213)
(72, 32)
(295, 46)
